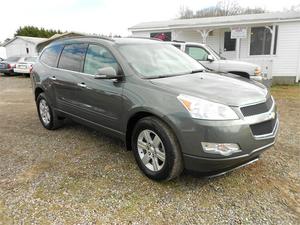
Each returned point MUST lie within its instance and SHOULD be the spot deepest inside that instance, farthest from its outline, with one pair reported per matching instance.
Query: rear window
(72, 57)
(51, 54)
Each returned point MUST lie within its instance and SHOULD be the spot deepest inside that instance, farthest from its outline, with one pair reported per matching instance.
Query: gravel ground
(75, 175)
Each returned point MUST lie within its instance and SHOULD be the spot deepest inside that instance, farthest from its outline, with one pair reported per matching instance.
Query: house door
(227, 45)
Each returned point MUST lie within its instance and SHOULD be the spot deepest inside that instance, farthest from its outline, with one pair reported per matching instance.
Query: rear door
(67, 83)
(201, 55)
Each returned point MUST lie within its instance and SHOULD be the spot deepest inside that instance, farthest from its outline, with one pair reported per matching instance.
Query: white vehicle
(24, 66)
(213, 61)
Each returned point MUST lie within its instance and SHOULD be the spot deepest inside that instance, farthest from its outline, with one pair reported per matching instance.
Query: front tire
(156, 149)
(47, 115)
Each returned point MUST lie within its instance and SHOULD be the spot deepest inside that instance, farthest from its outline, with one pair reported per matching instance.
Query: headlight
(257, 71)
(206, 110)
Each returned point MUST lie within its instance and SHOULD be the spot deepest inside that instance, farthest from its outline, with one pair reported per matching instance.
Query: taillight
(30, 69)
(8, 66)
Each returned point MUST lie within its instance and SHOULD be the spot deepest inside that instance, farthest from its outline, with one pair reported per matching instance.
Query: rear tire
(47, 115)
(156, 149)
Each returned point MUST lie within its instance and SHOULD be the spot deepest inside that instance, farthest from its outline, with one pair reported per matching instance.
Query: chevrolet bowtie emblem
(272, 115)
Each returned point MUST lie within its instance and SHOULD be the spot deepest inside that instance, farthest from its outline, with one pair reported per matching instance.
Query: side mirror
(106, 73)
(210, 58)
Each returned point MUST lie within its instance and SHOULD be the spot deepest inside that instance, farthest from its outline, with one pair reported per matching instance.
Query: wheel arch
(37, 91)
(240, 73)
(136, 116)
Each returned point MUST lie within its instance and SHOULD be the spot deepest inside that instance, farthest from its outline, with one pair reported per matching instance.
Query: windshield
(158, 60)
(30, 59)
(217, 55)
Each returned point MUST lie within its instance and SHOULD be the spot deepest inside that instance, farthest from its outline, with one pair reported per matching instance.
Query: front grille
(266, 127)
(257, 109)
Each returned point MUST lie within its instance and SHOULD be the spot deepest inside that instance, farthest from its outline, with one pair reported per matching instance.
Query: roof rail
(98, 36)
(87, 36)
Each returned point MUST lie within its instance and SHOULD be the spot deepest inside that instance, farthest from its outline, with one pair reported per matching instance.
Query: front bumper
(263, 80)
(215, 167)
(240, 132)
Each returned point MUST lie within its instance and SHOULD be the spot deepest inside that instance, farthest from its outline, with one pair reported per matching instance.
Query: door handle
(53, 78)
(83, 85)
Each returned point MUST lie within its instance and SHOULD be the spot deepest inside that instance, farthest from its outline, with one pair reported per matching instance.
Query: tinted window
(51, 54)
(260, 43)
(98, 57)
(72, 57)
(229, 44)
(197, 53)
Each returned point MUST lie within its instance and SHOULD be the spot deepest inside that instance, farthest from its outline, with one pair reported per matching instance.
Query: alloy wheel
(151, 150)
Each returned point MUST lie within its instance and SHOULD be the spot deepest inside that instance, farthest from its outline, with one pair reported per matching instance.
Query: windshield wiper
(157, 77)
(197, 71)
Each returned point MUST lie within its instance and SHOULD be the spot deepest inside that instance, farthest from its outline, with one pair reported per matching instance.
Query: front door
(201, 55)
(101, 100)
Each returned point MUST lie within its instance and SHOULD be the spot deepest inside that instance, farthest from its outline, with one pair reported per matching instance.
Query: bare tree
(222, 8)
(185, 13)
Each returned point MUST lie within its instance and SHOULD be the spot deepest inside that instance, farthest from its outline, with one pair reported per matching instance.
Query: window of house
(261, 39)
(50, 55)
(27, 50)
(229, 44)
(197, 53)
(275, 40)
(98, 57)
(164, 36)
(72, 57)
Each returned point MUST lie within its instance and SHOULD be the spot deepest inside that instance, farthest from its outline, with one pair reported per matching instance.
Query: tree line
(31, 31)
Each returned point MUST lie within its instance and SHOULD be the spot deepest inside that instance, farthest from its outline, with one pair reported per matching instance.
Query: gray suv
(158, 100)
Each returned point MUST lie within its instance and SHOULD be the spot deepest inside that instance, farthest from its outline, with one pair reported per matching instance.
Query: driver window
(98, 57)
(197, 53)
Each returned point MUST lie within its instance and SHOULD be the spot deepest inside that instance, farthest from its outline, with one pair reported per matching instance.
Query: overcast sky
(103, 16)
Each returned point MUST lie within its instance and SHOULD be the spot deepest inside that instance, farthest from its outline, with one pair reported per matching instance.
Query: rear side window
(98, 57)
(51, 54)
(72, 57)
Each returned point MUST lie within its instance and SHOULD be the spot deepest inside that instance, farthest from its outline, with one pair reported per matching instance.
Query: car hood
(228, 90)
(241, 64)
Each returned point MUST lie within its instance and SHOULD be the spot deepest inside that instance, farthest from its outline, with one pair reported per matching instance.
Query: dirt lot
(76, 175)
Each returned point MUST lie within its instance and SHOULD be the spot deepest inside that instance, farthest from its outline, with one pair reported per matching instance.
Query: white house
(22, 46)
(271, 40)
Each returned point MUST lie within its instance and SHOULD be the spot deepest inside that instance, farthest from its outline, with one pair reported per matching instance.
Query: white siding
(286, 62)
(18, 48)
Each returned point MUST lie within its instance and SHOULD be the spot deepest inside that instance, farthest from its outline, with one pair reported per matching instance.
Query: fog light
(224, 149)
